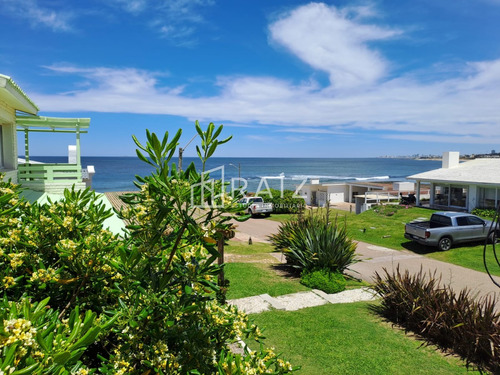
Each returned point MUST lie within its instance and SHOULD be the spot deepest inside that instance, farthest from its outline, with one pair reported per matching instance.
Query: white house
(317, 194)
(462, 186)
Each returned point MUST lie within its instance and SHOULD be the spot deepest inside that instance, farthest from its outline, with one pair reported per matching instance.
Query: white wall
(9, 140)
(336, 193)
(305, 191)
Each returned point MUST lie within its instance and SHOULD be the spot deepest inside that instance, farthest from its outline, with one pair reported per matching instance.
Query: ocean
(118, 173)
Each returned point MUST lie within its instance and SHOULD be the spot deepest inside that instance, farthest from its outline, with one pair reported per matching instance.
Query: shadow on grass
(286, 271)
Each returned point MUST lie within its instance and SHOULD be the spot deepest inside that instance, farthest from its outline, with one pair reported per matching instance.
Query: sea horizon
(242, 157)
(117, 173)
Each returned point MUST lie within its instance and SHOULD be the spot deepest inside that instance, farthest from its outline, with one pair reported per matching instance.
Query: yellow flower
(8, 281)
(44, 275)
(18, 330)
(16, 259)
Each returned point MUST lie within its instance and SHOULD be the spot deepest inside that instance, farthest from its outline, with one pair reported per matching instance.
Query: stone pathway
(296, 301)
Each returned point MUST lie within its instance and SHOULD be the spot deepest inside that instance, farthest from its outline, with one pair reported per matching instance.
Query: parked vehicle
(445, 229)
(255, 206)
(410, 199)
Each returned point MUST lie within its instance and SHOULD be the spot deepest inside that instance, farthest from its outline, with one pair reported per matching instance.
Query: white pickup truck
(445, 229)
(255, 206)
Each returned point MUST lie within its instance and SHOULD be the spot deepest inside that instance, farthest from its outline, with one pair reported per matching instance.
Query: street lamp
(181, 151)
(239, 170)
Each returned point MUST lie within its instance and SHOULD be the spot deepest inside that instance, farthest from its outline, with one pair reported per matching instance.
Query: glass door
(458, 196)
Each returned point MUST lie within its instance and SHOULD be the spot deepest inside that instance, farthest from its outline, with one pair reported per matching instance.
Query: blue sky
(285, 77)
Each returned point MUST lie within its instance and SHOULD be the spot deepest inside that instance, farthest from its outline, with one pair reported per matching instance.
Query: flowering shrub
(58, 250)
(155, 290)
(34, 341)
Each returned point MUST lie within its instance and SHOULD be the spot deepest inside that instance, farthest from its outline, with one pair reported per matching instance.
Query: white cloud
(175, 20)
(37, 15)
(459, 107)
(326, 39)
(465, 106)
(133, 6)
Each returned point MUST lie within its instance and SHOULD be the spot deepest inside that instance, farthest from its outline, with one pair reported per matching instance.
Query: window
(475, 220)
(438, 221)
(446, 195)
(488, 197)
(441, 195)
(458, 196)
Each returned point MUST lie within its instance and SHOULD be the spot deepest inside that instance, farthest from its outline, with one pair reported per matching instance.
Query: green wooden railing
(47, 173)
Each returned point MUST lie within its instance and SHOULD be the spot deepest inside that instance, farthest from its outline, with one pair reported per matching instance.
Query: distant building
(462, 186)
(363, 194)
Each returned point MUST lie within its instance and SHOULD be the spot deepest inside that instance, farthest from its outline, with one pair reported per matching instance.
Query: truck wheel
(267, 214)
(492, 238)
(444, 244)
(250, 212)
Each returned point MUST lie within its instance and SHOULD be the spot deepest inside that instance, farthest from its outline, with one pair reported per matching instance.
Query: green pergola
(41, 124)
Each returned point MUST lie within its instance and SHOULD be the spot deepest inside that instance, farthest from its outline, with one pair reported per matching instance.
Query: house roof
(478, 171)
(12, 94)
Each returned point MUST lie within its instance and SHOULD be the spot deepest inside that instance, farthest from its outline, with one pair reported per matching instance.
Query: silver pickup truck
(255, 206)
(448, 228)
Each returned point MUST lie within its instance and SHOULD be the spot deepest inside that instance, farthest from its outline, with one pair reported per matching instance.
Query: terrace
(51, 177)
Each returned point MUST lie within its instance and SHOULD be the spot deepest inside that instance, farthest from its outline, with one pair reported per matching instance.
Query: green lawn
(388, 231)
(329, 339)
(349, 339)
(243, 248)
(252, 279)
(256, 271)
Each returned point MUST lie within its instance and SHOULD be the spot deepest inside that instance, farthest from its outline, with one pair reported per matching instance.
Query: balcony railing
(48, 173)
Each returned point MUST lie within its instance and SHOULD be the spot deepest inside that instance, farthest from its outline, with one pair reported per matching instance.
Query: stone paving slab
(348, 296)
(296, 301)
(274, 302)
(251, 305)
(300, 300)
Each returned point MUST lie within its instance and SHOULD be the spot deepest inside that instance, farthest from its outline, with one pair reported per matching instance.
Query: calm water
(118, 173)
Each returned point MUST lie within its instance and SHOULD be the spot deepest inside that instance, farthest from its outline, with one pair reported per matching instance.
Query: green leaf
(62, 358)
(198, 128)
(217, 132)
(226, 140)
(9, 354)
(87, 339)
(27, 370)
(212, 149)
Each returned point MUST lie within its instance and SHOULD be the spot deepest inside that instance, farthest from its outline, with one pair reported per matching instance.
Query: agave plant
(312, 243)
